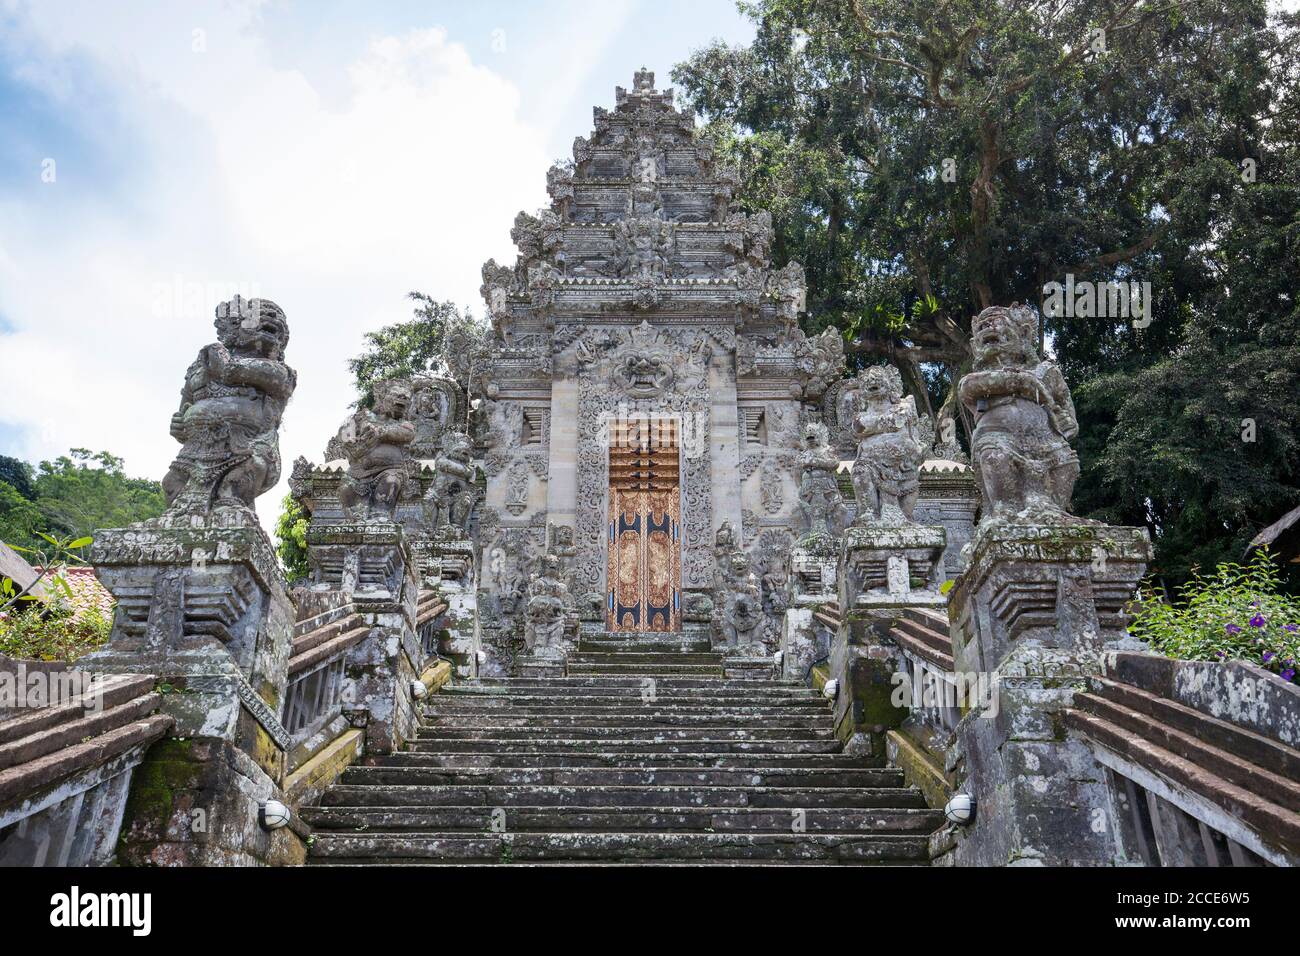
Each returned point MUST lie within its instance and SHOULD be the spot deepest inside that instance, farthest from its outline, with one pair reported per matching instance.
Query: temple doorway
(644, 540)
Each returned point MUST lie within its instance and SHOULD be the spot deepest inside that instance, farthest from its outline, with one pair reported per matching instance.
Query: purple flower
(1219, 654)
(1232, 628)
(1288, 674)
(1257, 620)
(1290, 627)
(1268, 656)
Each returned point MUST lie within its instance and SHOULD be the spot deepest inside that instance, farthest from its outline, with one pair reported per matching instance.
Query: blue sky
(157, 157)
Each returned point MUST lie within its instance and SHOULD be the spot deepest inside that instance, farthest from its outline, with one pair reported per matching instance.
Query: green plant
(53, 634)
(291, 535)
(1238, 612)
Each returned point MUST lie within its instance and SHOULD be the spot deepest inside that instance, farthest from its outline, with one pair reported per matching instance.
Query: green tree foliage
(406, 348)
(17, 474)
(74, 495)
(926, 160)
(291, 538)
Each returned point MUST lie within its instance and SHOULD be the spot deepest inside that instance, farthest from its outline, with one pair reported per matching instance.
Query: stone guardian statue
(228, 422)
(820, 498)
(886, 472)
(377, 445)
(1024, 421)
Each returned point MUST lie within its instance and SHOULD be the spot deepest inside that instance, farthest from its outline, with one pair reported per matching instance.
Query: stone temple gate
(664, 562)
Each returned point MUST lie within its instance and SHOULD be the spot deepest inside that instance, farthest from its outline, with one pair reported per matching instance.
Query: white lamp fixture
(272, 815)
(778, 657)
(831, 688)
(418, 690)
(481, 657)
(960, 809)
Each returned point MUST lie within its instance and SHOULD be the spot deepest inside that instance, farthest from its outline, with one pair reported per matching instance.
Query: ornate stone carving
(771, 489)
(820, 362)
(820, 498)
(229, 417)
(886, 472)
(547, 612)
(517, 488)
(1024, 422)
(642, 247)
(450, 498)
(377, 445)
(788, 286)
(739, 623)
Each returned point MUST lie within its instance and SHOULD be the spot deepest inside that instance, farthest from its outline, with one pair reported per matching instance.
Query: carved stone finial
(229, 417)
(1024, 421)
(886, 473)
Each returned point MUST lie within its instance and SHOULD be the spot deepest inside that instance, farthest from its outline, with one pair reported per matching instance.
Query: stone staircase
(644, 754)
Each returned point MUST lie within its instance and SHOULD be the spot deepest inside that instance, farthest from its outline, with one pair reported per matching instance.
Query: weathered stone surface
(228, 422)
(886, 472)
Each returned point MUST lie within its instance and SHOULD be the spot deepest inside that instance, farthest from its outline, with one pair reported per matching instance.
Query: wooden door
(644, 541)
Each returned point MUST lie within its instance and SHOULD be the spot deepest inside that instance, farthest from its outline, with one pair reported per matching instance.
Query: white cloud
(250, 183)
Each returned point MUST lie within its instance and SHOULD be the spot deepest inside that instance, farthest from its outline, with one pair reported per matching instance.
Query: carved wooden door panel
(644, 572)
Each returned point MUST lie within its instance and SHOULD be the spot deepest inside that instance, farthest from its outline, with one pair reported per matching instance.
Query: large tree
(924, 160)
(408, 348)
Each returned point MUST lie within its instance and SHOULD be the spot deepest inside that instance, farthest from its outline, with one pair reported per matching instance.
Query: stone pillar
(375, 564)
(206, 610)
(1035, 611)
(883, 570)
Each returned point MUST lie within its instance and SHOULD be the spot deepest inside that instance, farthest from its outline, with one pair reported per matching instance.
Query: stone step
(649, 644)
(488, 795)
(647, 734)
(613, 706)
(659, 669)
(426, 776)
(513, 685)
(631, 760)
(646, 719)
(623, 745)
(644, 657)
(658, 690)
(621, 819)
(648, 846)
(100, 695)
(72, 732)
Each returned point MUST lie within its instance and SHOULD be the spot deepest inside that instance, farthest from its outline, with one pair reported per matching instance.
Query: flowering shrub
(1238, 612)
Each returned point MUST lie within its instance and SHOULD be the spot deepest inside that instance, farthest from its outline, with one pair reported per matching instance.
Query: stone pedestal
(883, 569)
(374, 563)
(445, 563)
(890, 565)
(205, 609)
(1036, 609)
(813, 564)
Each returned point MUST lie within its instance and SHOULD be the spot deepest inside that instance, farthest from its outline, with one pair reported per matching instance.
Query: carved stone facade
(642, 303)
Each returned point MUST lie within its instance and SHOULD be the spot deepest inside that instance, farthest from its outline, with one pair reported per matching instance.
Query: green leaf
(80, 543)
